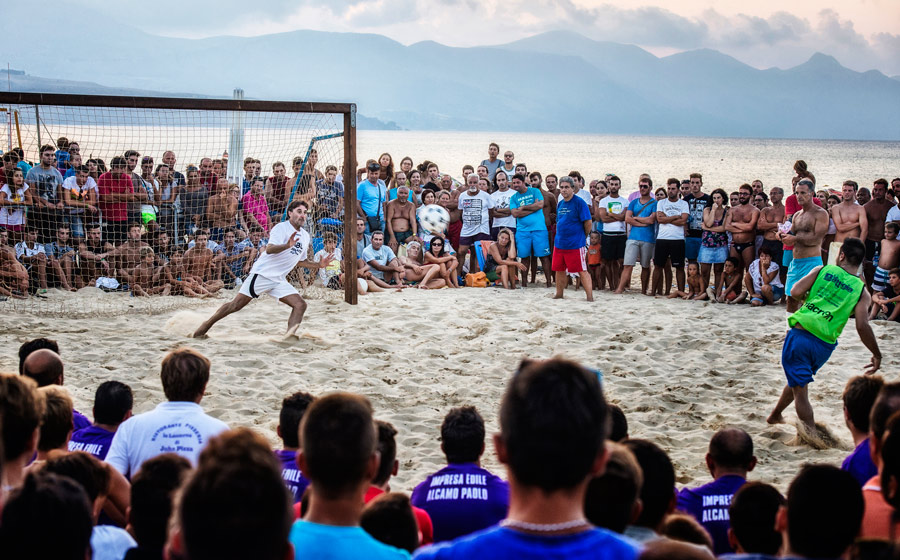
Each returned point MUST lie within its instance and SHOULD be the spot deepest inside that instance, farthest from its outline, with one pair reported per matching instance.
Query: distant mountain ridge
(555, 81)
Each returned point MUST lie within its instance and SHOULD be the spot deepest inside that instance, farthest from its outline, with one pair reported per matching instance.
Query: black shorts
(669, 249)
(872, 247)
(612, 247)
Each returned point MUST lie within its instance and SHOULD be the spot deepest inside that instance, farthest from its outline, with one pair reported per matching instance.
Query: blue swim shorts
(532, 243)
(798, 269)
(691, 248)
(802, 355)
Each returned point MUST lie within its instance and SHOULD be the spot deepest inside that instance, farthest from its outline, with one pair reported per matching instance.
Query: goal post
(195, 129)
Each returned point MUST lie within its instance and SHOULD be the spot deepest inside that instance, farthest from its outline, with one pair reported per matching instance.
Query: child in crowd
(885, 301)
(729, 291)
(594, 260)
(762, 281)
(694, 288)
(332, 276)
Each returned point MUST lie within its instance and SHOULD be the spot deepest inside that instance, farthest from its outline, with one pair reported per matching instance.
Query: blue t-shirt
(859, 463)
(570, 218)
(330, 542)
(291, 474)
(709, 503)
(535, 220)
(382, 256)
(462, 498)
(392, 195)
(499, 543)
(643, 233)
(93, 440)
(371, 197)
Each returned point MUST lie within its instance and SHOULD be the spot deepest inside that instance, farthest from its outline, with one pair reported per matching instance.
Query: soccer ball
(434, 218)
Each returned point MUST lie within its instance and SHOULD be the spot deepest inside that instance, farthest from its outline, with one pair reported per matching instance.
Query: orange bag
(477, 280)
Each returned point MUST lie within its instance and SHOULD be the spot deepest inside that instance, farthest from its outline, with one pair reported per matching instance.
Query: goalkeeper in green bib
(832, 294)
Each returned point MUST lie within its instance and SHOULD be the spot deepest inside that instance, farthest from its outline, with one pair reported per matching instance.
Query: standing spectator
(672, 215)
(876, 214)
(116, 194)
(532, 243)
(165, 198)
(277, 191)
(207, 178)
(500, 213)
(46, 181)
(194, 199)
(491, 164)
(81, 197)
(573, 225)
(371, 195)
(641, 216)
(475, 205)
(697, 203)
(611, 210)
(255, 208)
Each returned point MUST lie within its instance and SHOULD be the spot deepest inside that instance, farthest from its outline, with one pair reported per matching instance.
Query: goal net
(113, 204)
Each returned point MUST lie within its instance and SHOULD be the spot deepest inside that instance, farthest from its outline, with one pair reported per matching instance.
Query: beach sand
(680, 370)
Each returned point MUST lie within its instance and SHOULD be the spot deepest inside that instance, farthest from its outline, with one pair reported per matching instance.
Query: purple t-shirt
(93, 439)
(859, 463)
(709, 505)
(291, 474)
(80, 420)
(462, 498)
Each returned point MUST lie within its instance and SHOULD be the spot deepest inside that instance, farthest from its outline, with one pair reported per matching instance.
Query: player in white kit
(288, 246)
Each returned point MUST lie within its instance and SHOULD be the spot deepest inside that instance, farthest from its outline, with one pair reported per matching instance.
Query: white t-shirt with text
(501, 202)
(669, 208)
(277, 266)
(475, 215)
(616, 205)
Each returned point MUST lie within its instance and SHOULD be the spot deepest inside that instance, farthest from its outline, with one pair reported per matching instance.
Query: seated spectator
(33, 257)
(235, 504)
(884, 302)
(112, 406)
(762, 281)
(752, 512)
(440, 252)
(462, 497)
(553, 423)
(254, 244)
(658, 496)
(618, 431)
(386, 269)
(400, 219)
(147, 278)
(61, 255)
(613, 498)
(177, 426)
(39, 359)
(13, 275)
(417, 271)
(64, 507)
(21, 410)
(670, 549)
(686, 529)
(859, 397)
(80, 195)
(338, 453)
(890, 472)
(152, 495)
(108, 542)
(389, 518)
(729, 459)
(500, 261)
(730, 290)
(231, 260)
(292, 410)
(56, 423)
(822, 515)
(880, 520)
(332, 276)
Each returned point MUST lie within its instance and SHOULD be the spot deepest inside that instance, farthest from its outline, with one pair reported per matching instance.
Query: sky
(861, 34)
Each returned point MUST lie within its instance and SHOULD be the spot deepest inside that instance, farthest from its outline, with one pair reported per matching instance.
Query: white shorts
(256, 285)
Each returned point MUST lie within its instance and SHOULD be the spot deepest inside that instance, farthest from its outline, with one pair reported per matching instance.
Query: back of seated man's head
(184, 373)
(890, 470)
(32, 345)
(113, 402)
(293, 408)
(553, 424)
(236, 505)
(752, 513)
(389, 518)
(685, 528)
(338, 442)
(886, 404)
(462, 435)
(823, 513)
(387, 449)
(56, 423)
(612, 499)
(731, 451)
(859, 397)
(658, 490)
(44, 366)
(152, 492)
(85, 469)
(46, 500)
(21, 411)
(618, 430)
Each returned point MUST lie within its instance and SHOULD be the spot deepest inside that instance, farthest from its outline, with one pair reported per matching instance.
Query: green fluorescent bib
(831, 300)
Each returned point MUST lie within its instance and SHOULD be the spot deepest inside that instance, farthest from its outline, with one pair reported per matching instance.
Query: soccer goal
(183, 153)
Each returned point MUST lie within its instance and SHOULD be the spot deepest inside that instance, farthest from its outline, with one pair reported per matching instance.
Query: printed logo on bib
(715, 508)
(458, 487)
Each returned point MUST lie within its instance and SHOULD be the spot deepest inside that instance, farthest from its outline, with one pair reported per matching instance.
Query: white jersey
(277, 266)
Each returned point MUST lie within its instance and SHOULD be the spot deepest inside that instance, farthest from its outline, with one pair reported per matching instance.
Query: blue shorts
(532, 243)
(691, 248)
(786, 257)
(777, 292)
(802, 355)
(798, 269)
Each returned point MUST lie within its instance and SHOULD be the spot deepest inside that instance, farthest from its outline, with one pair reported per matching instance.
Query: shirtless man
(889, 257)
(876, 215)
(549, 220)
(769, 219)
(197, 265)
(809, 226)
(400, 219)
(147, 279)
(127, 255)
(92, 252)
(741, 222)
(222, 209)
(13, 276)
(850, 220)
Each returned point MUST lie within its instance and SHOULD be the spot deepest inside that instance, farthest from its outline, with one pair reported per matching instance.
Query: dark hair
(152, 492)
(892, 225)
(752, 513)
(46, 500)
(129, 153)
(610, 498)
(618, 424)
(36, 344)
(184, 373)
(235, 505)
(520, 176)
(859, 398)
(890, 458)
(46, 148)
(494, 144)
(854, 250)
(553, 422)
(462, 435)
(763, 195)
(824, 511)
(85, 469)
(292, 409)
(112, 401)
(673, 181)
(887, 403)
(389, 519)
(722, 193)
(764, 251)
(731, 448)
(746, 187)
(659, 481)
(21, 411)
(734, 261)
(387, 447)
(444, 243)
(338, 439)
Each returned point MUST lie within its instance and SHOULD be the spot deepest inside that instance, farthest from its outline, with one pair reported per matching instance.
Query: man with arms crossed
(288, 247)
(850, 220)
(526, 205)
(641, 216)
(833, 293)
(808, 229)
(672, 215)
(741, 222)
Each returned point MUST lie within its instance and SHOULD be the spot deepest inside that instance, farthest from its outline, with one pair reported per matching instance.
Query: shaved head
(731, 448)
(44, 366)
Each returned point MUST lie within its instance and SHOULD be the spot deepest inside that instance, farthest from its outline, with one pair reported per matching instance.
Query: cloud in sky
(780, 38)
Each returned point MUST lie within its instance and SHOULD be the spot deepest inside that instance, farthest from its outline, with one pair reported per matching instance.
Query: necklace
(545, 527)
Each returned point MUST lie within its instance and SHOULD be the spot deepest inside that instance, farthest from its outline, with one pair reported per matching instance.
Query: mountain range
(556, 81)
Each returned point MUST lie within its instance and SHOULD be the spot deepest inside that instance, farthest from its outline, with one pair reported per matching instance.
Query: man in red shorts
(573, 225)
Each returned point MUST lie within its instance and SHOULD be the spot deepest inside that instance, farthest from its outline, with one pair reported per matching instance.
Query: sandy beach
(680, 370)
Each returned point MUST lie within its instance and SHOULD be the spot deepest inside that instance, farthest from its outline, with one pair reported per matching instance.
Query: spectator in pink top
(256, 209)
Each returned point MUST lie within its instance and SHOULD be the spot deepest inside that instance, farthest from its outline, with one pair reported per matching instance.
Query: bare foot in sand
(557, 297)
(776, 419)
